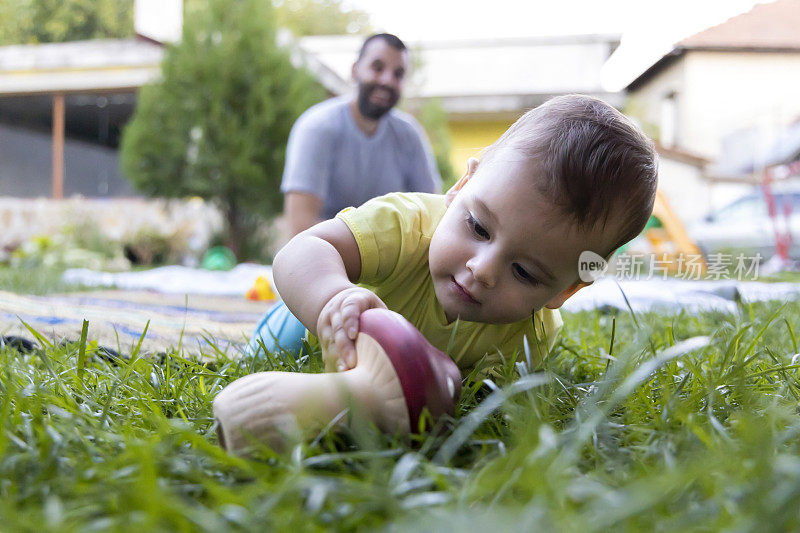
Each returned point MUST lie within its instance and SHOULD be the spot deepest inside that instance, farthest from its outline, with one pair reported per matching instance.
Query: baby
(485, 265)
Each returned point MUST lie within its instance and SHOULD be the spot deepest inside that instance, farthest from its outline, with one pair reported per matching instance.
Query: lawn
(645, 422)
(36, 280)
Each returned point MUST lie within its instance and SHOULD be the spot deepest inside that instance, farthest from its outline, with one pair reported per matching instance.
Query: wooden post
(58, 146)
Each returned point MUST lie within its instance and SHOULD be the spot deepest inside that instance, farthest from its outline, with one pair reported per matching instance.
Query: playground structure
(770, 168)
(668, 239)
(779, 215)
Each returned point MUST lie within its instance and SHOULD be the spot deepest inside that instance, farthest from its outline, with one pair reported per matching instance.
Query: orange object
(671, 239)
(261, 290)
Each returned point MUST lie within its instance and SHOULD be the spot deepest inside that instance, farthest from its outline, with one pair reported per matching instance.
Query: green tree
(433, 118)
(320, 17)
(48, 21)
(216, 124)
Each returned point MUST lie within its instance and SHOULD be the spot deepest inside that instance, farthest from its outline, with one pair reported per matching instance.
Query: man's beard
(370, 110)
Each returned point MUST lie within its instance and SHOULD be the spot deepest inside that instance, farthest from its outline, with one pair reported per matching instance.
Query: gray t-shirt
(328, 156)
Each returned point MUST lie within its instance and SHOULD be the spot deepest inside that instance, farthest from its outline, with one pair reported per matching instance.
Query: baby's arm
(315, 274)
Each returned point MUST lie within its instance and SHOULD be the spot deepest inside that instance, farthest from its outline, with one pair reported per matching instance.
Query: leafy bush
(433, 118)
(49, 21)
(151, 246)
(70, 249)
(216, 124)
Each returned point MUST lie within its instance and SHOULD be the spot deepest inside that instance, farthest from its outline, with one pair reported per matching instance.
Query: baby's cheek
(438, 253)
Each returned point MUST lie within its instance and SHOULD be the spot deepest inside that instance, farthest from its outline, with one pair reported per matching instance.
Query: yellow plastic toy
(261, 290)
(671, 239)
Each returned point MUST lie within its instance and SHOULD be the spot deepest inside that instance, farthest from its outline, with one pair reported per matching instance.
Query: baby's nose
(482, 270)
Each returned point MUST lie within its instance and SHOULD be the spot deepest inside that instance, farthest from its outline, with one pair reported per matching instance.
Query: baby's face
(502, 250)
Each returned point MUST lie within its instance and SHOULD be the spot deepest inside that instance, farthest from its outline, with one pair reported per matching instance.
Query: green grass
(791, 277)
(683, 423)
(37, 280)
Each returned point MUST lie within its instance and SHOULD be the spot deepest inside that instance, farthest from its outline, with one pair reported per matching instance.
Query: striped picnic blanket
(195, 324)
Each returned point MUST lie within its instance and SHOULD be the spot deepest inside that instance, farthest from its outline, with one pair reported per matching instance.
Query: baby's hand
(337, 326)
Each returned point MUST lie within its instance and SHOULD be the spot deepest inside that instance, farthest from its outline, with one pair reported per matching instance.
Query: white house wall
(692, 196)
(686, 191)
(732, 91)
(645, 102)
(719, 93)
(486, 68)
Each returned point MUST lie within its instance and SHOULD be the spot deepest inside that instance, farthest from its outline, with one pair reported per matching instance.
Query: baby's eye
(524, 275)
(477, 229)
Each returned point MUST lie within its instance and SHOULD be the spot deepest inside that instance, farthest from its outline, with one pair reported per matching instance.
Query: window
(668, 124)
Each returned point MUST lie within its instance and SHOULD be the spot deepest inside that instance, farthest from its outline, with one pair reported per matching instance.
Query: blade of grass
(138, 346)
(82, 350)
(761, 331)
(39, 337)
(627, 302)
(791, 333)
(597, 408)
(470, 423)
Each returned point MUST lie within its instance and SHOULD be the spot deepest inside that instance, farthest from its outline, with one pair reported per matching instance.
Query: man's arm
(306, 173)
(302, 210)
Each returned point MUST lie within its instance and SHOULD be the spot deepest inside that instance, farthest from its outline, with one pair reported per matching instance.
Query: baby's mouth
(461, 292)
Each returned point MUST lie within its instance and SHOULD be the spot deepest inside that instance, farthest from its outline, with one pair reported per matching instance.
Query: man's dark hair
(392, 40)
(593, 162)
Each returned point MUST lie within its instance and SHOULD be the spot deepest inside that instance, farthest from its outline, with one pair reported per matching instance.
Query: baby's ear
(558, 300)
(472, 165)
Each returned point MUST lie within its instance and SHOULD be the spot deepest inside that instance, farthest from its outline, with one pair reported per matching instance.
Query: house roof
(771, 27)
(103, 64)
(488, 75)
(471, 77)
(681, 155)
(108, 64)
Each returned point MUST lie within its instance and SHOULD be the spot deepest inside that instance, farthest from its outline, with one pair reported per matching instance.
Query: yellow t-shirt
(393, 233)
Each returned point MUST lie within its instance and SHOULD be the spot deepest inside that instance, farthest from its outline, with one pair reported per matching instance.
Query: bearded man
(348, 149)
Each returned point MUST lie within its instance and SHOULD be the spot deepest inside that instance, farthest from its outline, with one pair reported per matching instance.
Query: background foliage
(48, 21)
(320, 17)
(217, 123)
(433, 118)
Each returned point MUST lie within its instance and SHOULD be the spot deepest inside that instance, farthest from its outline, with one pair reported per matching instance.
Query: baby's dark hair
(595, 162)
